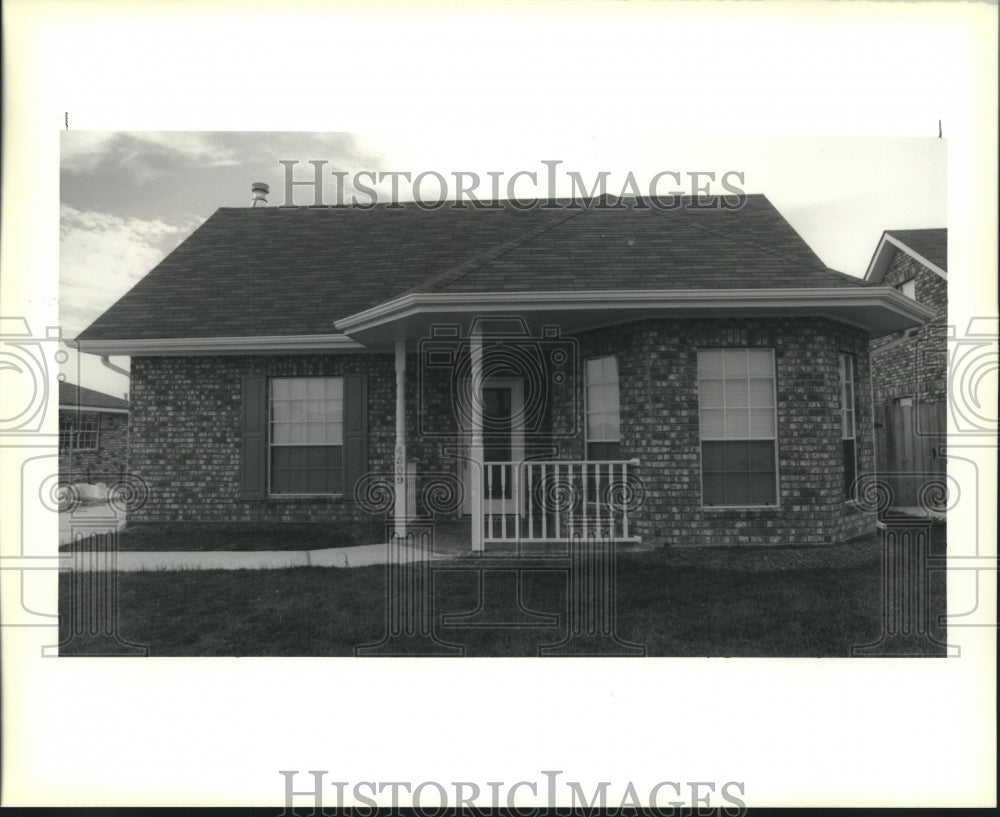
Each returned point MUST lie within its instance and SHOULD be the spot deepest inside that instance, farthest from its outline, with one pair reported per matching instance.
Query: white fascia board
(880, 259)
(93, 409)
(883, 255)
(276, 344)
(808, 300)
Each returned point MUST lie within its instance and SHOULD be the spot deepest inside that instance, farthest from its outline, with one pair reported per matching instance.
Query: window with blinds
(306, 435)
(738, 426)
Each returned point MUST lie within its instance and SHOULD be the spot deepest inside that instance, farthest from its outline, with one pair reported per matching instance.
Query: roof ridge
(439, 280)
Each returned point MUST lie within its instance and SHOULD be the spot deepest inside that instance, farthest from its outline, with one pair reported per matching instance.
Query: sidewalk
(99, 518)
(131, 561)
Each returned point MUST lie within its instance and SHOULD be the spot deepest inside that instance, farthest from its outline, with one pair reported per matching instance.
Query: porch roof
(290, 273)
(878, 310)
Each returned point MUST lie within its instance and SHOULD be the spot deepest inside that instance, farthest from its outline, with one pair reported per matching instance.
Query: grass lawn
(671, 610)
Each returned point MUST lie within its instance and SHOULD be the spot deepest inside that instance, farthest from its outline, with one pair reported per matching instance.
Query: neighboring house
(692, 376)
(910, 366)
(93, 434)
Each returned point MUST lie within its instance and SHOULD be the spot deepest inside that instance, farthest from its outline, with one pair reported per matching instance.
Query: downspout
(106, 360)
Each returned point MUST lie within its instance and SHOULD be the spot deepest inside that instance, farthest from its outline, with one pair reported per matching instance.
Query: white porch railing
(554, 500)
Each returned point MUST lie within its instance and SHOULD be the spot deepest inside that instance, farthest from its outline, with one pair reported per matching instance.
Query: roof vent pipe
(260, 191)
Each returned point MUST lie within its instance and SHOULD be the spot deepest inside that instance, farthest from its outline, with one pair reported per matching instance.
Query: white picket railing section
(554, 500)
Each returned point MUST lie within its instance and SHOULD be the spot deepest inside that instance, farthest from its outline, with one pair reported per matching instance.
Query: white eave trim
(278, 344)
(94, 409)
(809, 300)
(882, 257)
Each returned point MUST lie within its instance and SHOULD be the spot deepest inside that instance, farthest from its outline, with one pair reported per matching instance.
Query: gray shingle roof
(73, 395)
(931, 244)
(296, 270)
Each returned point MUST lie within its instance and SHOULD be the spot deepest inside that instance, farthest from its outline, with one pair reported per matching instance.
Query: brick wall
(914, 363)
(185, 429)
(104, 464)
(185, 432)
(657, 363)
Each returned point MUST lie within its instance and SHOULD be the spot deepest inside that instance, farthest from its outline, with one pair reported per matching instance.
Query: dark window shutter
(253, 443)
(355, 430)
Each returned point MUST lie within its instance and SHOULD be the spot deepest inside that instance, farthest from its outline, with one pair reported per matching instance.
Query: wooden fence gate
(907, 439)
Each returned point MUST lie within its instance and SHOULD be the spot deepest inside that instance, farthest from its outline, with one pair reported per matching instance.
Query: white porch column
(476, 449)
(399, 460)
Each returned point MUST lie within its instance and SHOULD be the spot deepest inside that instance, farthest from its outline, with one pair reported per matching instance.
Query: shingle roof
(296, 270)
(931, 244)
(72, 395)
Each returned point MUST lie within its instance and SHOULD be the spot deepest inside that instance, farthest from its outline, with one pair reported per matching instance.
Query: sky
(127, 198)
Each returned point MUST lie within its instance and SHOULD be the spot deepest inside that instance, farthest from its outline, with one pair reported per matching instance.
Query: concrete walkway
(99, 518)
(132, 561)
(919, 513)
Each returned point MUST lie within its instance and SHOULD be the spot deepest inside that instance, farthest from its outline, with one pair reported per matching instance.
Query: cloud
(142, 156)
(102, 256)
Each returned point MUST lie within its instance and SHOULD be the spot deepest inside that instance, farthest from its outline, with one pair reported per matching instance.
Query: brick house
(684, 376)
(910, 366)
(93, 434)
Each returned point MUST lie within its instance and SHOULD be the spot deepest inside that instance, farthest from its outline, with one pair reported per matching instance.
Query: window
(67, 426)
(847, 424)
(79, 432)
(603, 412)
(909, 288)
(307, 435)
(738, 426)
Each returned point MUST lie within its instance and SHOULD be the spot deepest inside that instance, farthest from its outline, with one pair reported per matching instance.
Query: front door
(503, 445)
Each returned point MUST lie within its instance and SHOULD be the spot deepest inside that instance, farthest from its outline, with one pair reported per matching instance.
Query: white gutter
(735, 300)
(101, 409)
(806, 300)
(219, 346)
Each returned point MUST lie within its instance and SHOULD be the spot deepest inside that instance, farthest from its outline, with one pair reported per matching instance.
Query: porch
(555, 501)
(541, 504)
(518, 479)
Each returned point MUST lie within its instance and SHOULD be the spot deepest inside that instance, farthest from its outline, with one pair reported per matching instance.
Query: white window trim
(271, 445)
(774, 402)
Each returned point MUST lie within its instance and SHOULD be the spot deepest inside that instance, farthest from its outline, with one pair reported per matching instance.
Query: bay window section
(847, 426)
(603, 409)
(306, 435)
(738, 422)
